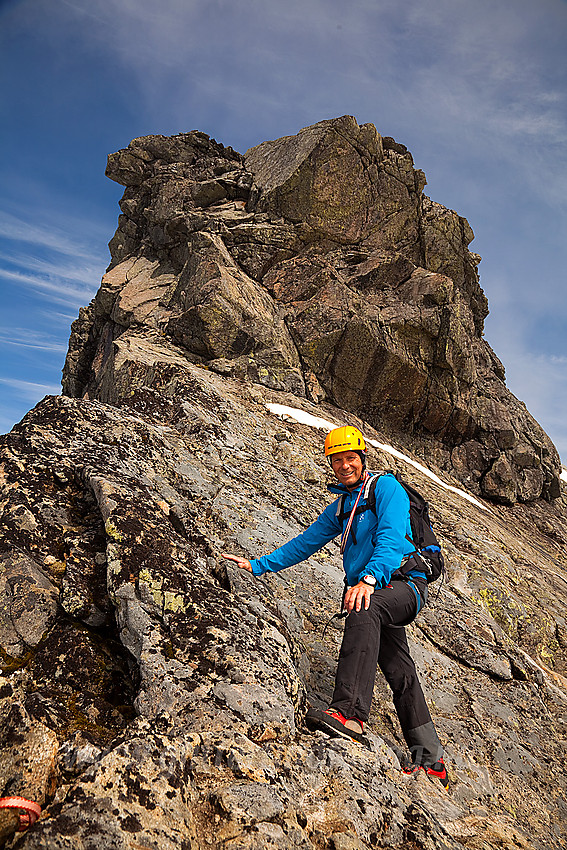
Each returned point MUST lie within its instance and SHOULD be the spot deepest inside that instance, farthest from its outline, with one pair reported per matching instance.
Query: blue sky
(476, 89)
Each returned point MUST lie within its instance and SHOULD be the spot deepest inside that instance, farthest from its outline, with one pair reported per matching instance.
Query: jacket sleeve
(325, 527)
(389, 539)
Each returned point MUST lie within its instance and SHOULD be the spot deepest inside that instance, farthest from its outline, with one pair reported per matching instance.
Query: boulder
(315, 264)
(151, 693)
(156, 696)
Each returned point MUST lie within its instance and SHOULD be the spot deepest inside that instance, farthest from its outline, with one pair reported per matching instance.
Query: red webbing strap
(29, 811)
(344, 538)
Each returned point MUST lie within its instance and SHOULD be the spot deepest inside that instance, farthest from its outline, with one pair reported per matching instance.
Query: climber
(378, 601)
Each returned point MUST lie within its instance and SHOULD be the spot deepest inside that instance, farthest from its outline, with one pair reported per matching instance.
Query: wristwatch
(371, 581)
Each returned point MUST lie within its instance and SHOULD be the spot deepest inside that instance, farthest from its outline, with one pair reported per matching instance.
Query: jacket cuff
(257, 568)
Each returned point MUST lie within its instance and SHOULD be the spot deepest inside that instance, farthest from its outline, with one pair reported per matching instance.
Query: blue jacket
(380, 537)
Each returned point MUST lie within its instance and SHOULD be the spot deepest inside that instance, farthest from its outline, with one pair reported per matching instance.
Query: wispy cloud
(29, 389)
(78, 267)
(53, 238)
(48, 261)
(53, 316)
(57, 290)
(537, 379)
(27, 338)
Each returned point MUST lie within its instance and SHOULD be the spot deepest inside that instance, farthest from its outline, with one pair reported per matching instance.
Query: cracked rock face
(316, 265)
(153, 695)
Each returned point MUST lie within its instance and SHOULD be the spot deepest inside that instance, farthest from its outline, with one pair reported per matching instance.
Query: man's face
(347, 466)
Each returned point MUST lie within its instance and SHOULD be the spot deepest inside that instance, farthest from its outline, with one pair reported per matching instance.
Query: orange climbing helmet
(345, 439)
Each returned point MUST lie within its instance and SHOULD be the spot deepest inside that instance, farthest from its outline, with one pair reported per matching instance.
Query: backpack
(428, 556)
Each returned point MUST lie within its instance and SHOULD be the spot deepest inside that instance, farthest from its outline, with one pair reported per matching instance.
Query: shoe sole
(320, 720)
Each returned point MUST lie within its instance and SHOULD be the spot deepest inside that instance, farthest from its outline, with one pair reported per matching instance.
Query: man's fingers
(351, 600)
(236, 558)
(354, 597)
(243, 563)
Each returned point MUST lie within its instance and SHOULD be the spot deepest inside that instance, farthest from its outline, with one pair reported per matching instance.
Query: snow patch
(296, 415)
(300, 416)
(428, 473)
(563, 475)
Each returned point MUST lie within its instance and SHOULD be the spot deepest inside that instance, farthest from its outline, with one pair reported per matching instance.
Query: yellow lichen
(173, 602)
(166, 600)
(112, 531)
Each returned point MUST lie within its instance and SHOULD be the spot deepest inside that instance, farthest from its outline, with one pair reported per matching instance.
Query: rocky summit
(152, 695)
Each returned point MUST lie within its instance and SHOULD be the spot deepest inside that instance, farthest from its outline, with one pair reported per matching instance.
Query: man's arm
(325, 527)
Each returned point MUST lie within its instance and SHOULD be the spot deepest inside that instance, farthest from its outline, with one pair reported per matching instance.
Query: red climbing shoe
(435, 771)
(334, 723)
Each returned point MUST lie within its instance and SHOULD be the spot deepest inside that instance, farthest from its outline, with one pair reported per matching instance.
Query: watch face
(369, 580)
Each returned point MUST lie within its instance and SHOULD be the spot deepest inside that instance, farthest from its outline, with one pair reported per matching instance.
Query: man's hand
(355, 596)
(242, 562)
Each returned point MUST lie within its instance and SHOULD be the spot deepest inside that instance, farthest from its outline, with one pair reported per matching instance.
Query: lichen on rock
(151, 694)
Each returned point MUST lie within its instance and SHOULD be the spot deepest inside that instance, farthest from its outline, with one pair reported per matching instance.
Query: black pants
(377, 637)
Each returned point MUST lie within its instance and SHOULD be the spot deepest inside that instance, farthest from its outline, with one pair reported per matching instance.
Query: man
(379, 600)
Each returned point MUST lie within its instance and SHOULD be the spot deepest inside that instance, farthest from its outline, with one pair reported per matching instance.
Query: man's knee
(401, 682)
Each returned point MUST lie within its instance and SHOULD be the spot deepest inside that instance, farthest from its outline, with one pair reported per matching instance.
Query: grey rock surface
(153, 695)
(180, 717)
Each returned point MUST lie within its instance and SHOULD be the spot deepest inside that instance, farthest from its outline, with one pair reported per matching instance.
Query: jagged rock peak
(314, 264)
(151, 693)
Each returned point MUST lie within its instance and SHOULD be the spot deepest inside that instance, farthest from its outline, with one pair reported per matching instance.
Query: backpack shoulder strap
(340, 507)
(370, 489)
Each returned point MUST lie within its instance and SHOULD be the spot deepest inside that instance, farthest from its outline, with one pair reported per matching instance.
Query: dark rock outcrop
(315, 264)
(151, 694)
(158, 693)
